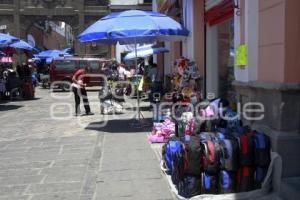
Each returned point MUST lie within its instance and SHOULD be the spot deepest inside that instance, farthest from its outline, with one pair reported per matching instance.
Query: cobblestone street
(44, 157)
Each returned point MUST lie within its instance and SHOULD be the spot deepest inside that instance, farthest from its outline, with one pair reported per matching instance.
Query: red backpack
(246, 148)
(211, 158)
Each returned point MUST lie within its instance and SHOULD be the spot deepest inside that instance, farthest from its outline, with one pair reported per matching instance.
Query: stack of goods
(218, 162)
(161, 132)
(111, 99)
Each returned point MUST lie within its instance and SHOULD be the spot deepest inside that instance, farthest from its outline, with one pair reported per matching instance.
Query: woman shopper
(80, 80)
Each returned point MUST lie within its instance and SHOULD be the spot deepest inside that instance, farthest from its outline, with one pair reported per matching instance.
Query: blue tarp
(146, 51)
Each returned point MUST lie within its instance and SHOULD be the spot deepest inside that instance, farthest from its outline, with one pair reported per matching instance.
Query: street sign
(241, 55)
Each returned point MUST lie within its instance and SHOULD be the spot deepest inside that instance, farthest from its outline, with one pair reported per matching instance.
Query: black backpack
(229, 154)
(193, 152)
(245, 179)
(190, 186)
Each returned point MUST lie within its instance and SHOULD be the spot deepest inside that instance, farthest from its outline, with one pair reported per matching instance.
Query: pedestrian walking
(80, 81)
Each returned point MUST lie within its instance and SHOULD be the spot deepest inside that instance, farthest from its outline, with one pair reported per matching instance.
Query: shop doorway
(220, 60)
(226, 60)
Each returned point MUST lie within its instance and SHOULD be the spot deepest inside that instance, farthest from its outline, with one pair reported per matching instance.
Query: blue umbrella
(144, 52)
(22, 45)
(133, 26)
(6, 39)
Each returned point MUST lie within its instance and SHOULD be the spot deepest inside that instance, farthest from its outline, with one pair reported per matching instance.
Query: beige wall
(279, 43)
(271, 40)
(292, 37)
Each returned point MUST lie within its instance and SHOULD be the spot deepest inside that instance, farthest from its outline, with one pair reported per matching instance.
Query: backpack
(230, 154)
(226, 182)
(208, 184)
(245, 179)
(262, 157)
(206, 136)
(193, 152)
(174, 157)
(230, 121)
(260, 174)
(190, 186)
(246, 148)
(211, 158)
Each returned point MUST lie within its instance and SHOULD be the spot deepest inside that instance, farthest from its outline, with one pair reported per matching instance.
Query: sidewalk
(129, 168)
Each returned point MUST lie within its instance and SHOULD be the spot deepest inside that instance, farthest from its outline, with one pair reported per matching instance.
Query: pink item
(207, 112)
(156, 139)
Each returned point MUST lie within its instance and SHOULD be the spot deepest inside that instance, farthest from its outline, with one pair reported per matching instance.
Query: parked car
(63, 68)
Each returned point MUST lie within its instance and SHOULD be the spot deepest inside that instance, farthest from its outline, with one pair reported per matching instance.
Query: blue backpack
(262, 157)
(209, 184)
(174, 156)
(230, 121)
(226, 182)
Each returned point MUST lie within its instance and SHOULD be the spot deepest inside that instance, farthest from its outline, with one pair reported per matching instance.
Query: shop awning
(219, 13)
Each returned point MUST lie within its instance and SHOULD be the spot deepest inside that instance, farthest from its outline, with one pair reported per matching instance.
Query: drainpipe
(205, 62)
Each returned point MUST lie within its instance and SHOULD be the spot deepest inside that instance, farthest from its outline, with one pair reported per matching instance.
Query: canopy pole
(137, 88)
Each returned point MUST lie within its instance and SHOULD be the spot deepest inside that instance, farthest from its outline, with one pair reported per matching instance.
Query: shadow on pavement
(142, 108)
(9, 107)
(122, 126)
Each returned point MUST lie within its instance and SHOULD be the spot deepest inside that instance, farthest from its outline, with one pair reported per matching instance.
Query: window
(82, 64)
(94, 64)
(6, 2)
(65, 64)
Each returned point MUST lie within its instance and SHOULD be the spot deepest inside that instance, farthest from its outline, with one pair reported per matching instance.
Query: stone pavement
(44, 157)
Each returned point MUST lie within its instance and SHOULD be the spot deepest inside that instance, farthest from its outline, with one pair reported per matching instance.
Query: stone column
(80, 6)
(16, 18)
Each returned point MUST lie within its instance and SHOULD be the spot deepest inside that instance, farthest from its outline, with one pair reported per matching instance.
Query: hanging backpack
(174, 157)
(206, 136)
(260, 174)
(193, 152)
(246, 148)
(190, 186)
(230, 121)
(226, 182)
(230, 154)
(262, 157)
(211, 158)
(208, 184)
(245, 179)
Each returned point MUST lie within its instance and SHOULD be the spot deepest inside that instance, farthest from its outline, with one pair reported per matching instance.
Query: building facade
(18, 17)
(270, 31)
